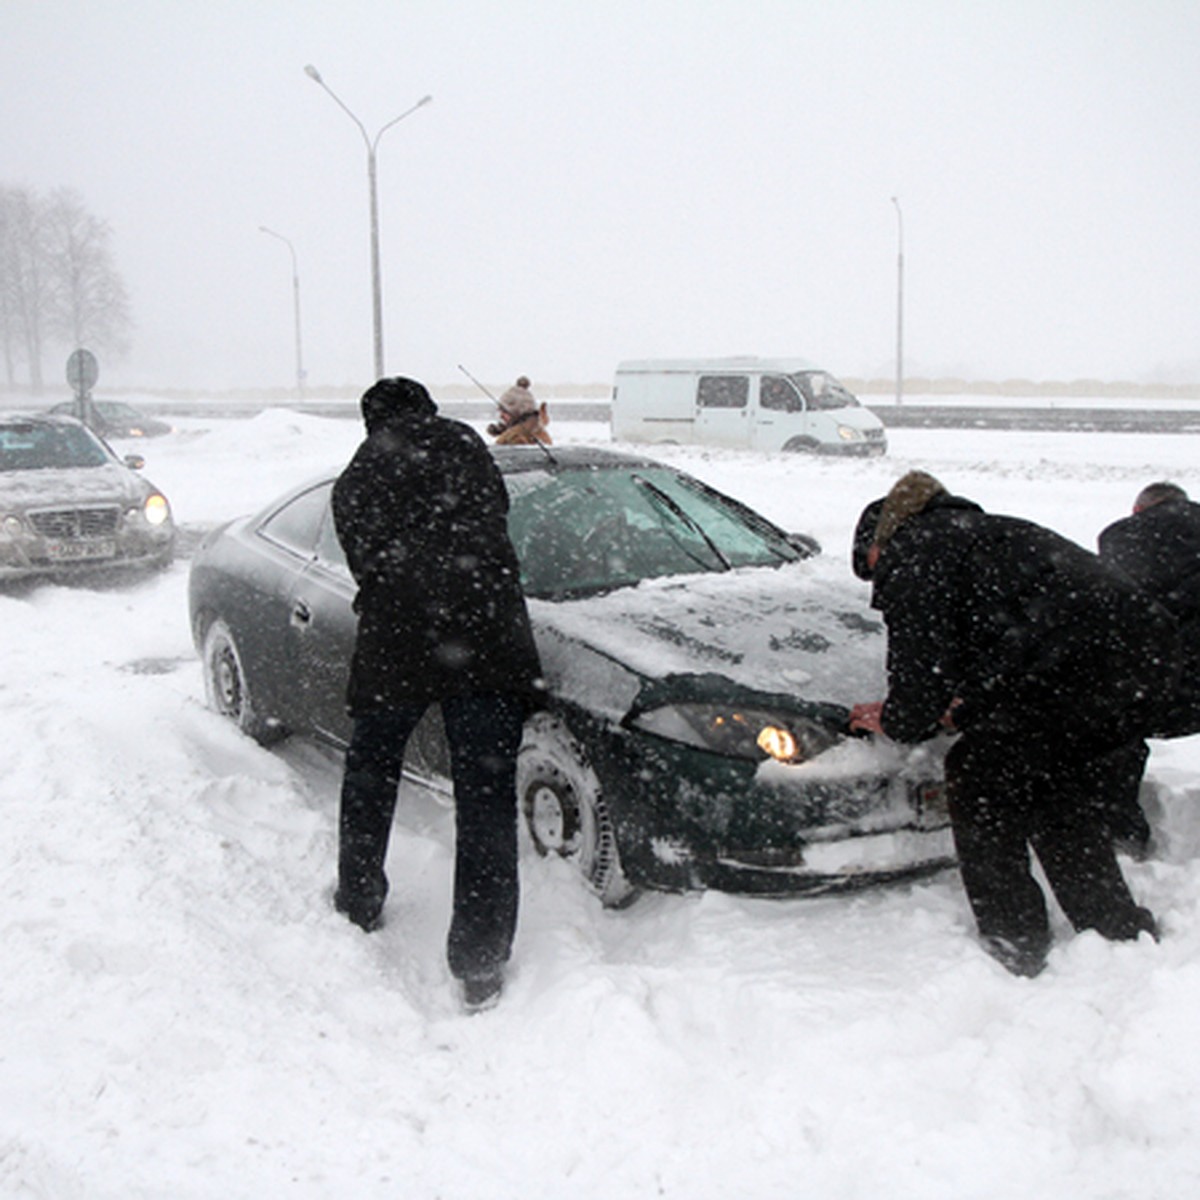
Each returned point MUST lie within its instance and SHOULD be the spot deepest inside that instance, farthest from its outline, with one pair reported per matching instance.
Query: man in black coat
(1051, 668)
(421, 514)
(1158, 547)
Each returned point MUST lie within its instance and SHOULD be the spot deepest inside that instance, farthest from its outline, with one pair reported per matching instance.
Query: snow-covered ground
(184, 1015)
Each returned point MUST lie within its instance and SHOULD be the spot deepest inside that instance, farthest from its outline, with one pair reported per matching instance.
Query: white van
(759, 403)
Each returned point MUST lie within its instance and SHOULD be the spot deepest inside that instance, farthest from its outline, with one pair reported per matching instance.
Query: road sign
(82, 370)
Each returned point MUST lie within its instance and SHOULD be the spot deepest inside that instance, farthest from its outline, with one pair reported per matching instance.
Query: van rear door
(723, 410)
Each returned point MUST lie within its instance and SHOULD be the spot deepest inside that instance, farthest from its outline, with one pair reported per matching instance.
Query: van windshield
(823, 391)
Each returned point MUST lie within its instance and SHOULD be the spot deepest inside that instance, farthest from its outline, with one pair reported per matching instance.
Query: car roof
(512, 460)
(45, 418)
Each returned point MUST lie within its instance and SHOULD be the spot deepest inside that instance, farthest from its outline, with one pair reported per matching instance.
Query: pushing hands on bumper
(869, 716)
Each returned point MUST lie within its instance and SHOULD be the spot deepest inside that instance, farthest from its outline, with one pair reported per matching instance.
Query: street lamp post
(295, 308)
(372, 145)
(899, 305)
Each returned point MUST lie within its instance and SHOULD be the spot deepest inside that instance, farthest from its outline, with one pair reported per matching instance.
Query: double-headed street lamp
(899, 305)
(371, 144)
(295, 307)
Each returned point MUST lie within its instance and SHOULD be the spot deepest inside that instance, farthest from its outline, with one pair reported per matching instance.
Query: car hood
(801, 630)
(111, 483)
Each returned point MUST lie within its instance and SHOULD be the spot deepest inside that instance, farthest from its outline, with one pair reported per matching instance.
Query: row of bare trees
(59, 285)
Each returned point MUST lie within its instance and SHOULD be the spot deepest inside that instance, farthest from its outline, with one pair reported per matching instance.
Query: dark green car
(700, 665)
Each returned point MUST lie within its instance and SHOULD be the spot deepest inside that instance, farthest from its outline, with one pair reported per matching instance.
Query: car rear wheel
(227, 689)
(565, 810)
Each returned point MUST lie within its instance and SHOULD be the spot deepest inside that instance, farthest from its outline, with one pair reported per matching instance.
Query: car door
(781, 416)
(723, 410)
(323, 628)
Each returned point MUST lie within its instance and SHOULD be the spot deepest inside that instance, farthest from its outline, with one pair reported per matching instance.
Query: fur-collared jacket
(1025, 629)
(421, 514)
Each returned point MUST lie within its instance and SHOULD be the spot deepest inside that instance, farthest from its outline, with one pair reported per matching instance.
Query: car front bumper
(687, 819)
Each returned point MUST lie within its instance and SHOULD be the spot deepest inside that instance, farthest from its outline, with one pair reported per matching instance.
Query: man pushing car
(1052, 669)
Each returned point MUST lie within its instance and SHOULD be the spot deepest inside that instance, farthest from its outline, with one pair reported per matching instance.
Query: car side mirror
(135, 462)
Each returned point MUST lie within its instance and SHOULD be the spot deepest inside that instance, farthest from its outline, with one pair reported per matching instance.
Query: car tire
(801, 445)
(565, 810)
(227, 689)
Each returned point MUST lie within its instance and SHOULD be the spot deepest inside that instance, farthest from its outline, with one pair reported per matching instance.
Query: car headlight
(11, 525)
(750, 733)
(156, 509)
(849, 434)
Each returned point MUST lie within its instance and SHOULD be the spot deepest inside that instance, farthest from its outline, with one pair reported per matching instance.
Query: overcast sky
(596, 180)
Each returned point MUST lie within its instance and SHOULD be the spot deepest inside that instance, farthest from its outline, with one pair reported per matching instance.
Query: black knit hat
(395, 399)
(864, 538)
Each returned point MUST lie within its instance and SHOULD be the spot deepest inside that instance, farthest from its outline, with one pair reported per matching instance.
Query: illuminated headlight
(156, 509)
(849, 434)
(748, 733)
(11, 526)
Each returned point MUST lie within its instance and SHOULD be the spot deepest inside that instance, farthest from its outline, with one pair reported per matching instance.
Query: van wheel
(801, 445)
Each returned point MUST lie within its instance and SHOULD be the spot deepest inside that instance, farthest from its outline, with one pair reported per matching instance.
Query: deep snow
(186, 1017)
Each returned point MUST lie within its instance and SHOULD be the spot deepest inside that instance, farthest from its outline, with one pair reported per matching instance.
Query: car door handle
(301, 616)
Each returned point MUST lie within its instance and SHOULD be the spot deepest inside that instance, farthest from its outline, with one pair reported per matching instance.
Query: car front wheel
(227, 689)
(565, 809)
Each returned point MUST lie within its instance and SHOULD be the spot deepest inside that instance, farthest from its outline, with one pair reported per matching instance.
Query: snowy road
(186, 1017)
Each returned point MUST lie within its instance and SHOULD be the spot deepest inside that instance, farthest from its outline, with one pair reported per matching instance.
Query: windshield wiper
(673, 506)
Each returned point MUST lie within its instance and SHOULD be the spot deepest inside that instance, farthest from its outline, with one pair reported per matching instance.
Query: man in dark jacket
(1158, 547)
(1051, 667)
(421, 514)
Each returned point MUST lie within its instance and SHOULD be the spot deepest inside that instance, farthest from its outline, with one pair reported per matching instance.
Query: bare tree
(58, 282)
(26, 277)
(91, 305)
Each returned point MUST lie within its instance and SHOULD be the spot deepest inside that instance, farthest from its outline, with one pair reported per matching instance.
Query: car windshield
(33, 447)
(599, 528)
(823, 391)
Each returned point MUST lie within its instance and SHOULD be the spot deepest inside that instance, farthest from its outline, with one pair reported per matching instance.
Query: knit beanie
(395, 399)
(909, 495)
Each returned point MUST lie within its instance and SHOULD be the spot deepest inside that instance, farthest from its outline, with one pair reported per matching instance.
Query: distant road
(1092, 420)
(907, 416)
(1133, 419)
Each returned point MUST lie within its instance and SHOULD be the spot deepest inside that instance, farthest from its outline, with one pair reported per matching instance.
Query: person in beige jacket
(522, 420)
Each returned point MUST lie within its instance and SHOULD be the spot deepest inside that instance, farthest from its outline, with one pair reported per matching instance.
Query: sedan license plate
(73, 551)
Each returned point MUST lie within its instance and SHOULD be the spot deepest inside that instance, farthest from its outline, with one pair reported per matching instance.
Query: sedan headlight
(11, 525)
(156, 509)
(849, 434)
(750, 733)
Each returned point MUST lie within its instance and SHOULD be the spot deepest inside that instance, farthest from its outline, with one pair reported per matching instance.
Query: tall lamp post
(371, 144)
(295, 307)
(899, 305)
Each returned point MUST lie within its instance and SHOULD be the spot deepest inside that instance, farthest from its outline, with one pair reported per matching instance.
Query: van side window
(723, 391)
(777, 393)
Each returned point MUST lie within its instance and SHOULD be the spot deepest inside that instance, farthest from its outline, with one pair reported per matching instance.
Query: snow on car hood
(111, 482)
(794, 629)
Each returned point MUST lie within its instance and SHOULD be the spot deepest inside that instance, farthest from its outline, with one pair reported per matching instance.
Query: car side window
(723, 391)
(297, 524)
(777, 394)
(329, 549)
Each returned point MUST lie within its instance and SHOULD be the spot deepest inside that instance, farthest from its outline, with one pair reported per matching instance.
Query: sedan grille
(61, 523)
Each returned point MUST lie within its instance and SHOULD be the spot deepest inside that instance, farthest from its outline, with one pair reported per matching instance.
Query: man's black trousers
(1009, 793)
(484, 735)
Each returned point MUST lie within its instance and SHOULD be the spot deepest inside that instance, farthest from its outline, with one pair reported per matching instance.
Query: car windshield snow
(32, 447)
(592, 530)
